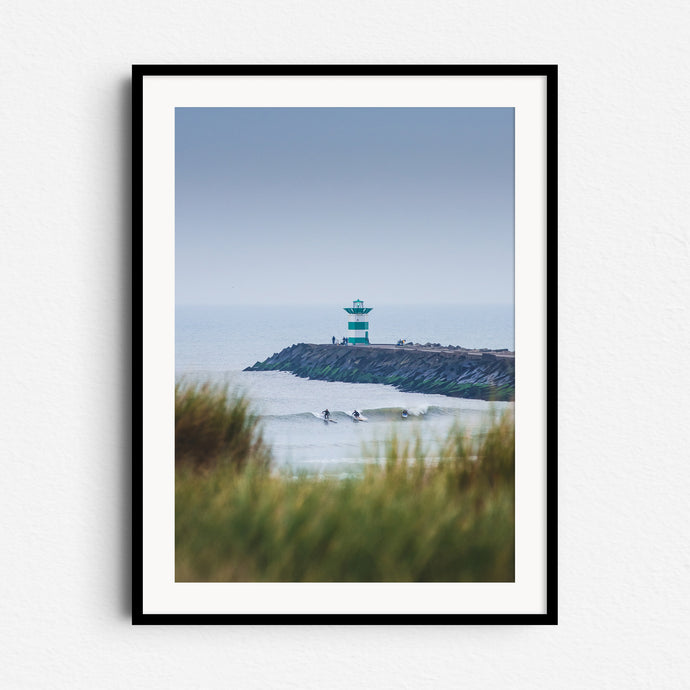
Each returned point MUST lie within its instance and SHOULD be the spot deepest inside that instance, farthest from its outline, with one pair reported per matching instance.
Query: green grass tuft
(215, 427)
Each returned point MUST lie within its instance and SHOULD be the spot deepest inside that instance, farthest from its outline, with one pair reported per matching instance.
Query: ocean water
(216, 343)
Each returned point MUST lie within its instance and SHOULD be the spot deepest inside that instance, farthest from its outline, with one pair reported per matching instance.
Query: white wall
(624, 291)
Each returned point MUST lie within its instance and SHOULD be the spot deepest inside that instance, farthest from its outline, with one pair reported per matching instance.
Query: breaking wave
(378, 414)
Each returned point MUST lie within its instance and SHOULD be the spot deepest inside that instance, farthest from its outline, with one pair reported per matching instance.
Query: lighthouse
(358, 325)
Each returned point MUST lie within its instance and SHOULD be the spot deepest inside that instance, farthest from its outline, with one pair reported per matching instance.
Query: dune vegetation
(410, 518)
(216, 428)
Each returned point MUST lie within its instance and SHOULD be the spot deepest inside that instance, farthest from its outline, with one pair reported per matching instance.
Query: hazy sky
(327, 205)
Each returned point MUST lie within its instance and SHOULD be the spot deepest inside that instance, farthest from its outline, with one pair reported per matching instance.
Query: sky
(327, 205)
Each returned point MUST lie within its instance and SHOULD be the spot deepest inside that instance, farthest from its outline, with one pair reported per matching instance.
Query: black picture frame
(549, 73)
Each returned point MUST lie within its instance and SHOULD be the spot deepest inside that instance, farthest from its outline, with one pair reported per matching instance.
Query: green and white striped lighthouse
(357, 325)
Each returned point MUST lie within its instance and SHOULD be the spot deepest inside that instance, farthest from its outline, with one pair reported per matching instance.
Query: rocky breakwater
(486, 375)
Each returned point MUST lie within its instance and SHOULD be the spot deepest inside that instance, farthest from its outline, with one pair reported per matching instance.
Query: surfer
(355, 414)
(326, 414)
(404, 414)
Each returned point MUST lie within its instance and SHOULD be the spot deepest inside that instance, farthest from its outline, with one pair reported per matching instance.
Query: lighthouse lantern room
(358, 324)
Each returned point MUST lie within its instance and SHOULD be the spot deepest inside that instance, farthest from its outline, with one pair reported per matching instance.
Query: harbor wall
(485, 375)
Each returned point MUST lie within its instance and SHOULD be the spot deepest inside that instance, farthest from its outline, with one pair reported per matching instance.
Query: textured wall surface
(624, 291)
(485, 376)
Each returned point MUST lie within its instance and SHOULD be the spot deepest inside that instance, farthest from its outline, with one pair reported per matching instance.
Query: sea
(215, 344)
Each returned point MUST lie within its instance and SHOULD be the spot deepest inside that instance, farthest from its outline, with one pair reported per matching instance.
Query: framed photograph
(345, 304)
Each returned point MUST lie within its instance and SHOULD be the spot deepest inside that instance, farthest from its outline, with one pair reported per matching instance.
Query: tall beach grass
(216, 427)
(409, 519)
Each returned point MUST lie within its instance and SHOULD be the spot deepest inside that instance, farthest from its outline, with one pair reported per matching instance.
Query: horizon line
(331, 304)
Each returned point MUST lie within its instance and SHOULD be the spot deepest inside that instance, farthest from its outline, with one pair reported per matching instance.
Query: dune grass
(409, 519)
(216, 427)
